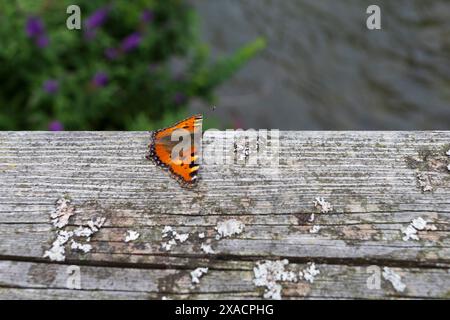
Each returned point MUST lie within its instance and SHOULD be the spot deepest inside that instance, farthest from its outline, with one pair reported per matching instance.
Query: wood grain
(370, 178)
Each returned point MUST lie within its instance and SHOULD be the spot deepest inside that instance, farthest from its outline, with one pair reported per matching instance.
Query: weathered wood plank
(370, 178)
(335, 281)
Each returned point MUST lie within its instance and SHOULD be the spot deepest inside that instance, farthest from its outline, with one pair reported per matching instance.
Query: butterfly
(177, 149)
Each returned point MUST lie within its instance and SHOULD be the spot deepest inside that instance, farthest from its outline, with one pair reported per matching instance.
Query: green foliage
(137, 89)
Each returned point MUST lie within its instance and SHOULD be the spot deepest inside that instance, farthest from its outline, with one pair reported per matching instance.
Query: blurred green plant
(116, 73)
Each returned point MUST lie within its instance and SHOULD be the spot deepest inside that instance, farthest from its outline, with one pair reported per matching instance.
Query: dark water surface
(323, 69)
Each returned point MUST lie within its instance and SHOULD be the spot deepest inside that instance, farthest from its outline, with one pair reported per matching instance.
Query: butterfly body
(164, 145)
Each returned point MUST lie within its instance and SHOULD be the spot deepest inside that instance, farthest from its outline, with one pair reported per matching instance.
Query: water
(323, 69)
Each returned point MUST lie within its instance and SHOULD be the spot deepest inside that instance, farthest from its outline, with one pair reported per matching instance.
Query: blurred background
(291, 64)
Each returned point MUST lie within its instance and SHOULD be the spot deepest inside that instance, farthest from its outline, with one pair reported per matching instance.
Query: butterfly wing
(184, 168)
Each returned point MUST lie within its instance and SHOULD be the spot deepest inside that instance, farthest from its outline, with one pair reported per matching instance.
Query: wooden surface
(370, 178)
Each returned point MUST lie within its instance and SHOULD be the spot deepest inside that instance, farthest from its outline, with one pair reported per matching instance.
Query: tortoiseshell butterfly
(179, 156)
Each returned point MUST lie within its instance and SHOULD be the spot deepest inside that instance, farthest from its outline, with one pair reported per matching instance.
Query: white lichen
(168, 245)
(83, 232)
(62, 213)
(131, 235)
(165, 232)
(418, 224)
(96, 223)
(201, 235)
(394, 279)
(323, 205)
(410, 233)
(207, 248)
(311, 218)
(60, 218)
(310, 272)
(94, 226)
(81, 247)
(57, 251)
(424, 182)
(181, 237)
(169, 232)
(229, 228)
(315, 229)
(197, 274)
(269, 274)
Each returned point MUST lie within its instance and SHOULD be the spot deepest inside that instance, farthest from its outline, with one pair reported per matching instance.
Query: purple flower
(34, 27)
(179, 98)
(97, 18)
(51, 86)
(147, 16)
(100, 79)
(42, 41)
(111, 53)
(131, 42)
(55, 126)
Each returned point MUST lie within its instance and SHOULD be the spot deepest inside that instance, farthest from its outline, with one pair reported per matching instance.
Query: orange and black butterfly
(165, 151)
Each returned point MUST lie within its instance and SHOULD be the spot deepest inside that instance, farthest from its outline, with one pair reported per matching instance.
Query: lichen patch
(271, 274)
(206, 248)
(80, 247)
(394, 279)
(324, 206)
(57, 251)
(418, 224)
(229, 228)
(173, 236)
(60, 219)
(131, 235)
(310, 272)
(197, 274)
(62, 213)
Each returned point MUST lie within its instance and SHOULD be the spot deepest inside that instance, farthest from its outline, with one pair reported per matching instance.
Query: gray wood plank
(370, 178)
(30, 280)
